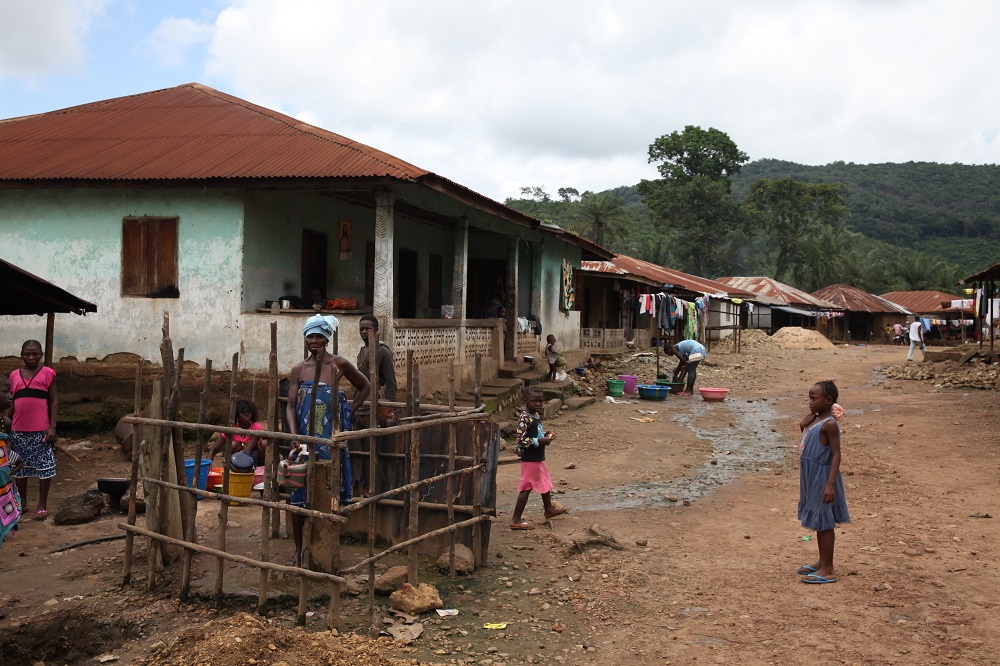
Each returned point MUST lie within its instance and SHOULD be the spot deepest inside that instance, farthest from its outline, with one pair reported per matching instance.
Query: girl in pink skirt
(531, 442)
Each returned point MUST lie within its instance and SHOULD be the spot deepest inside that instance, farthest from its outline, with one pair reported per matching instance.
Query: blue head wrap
(325, 326)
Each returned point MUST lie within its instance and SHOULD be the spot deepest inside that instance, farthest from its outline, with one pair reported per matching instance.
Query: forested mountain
(910, 226)
(951, 211)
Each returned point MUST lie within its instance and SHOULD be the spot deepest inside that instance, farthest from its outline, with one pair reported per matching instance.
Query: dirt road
(701, 497)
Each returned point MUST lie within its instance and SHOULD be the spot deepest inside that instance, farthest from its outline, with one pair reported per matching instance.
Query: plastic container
(615, 387)
(240, 483)
(214, 478)
(652, 391)
(206, 466)
(581, 371)
(242, 462)
(630, 382)
(713, 394)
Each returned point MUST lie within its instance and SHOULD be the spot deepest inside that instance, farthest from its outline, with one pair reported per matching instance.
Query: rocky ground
(680, 546)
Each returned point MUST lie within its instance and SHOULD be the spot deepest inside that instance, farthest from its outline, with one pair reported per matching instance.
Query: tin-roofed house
(776, 305)
(623, 300)
(948, 319)
(231, 216)
(866, 316)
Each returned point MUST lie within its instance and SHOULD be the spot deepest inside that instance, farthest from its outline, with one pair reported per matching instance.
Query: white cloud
(41, 37)
(174, 38)
(498, 94)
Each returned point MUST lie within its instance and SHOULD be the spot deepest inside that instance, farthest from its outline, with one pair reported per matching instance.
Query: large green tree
(690, 203)
(795, 217)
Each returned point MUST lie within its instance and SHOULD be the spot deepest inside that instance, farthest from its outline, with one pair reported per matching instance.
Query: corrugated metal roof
(193, 132)
(659, 275)
(991, 273)
(26, 294)
(852, 299)
(187, 132)
(922, 302)
(773, 292)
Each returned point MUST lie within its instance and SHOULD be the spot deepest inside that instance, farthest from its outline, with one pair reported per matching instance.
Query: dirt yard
(699, 496)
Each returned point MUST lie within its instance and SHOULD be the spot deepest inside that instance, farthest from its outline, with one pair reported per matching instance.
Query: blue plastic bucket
(206, 466)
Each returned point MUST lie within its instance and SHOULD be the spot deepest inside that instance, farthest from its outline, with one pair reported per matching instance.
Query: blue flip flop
(813, 579)
(805, 570)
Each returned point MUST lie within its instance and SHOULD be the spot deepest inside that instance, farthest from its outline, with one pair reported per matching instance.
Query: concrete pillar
(536, 278)
(459, 276)
(511, 300)
(384, 232)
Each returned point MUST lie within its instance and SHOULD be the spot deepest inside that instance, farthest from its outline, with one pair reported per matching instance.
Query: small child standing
(531, 442)
(34, 411)
(822, 503)
(551, 355)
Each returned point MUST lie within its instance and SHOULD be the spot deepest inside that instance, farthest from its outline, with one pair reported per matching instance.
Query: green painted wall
(72, 238)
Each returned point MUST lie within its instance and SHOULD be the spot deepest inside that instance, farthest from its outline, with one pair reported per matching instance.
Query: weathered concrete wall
(73, 239)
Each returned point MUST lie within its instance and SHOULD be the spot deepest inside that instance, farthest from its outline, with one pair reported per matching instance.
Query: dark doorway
(406, 285)
(313, 262)
(485, 276)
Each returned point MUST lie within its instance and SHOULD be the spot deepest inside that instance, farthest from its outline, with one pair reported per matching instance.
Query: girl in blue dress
(822, 503)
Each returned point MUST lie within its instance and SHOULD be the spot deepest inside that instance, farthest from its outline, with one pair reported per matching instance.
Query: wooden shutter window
(150, 257)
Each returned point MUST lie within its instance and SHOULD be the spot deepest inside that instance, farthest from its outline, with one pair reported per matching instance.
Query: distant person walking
(917, 340)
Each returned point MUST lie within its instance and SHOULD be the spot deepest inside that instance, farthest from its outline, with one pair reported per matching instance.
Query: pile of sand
(751, 338)
(793, 337)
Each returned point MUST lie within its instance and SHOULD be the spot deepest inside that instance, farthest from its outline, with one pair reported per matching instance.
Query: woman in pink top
(33, 415)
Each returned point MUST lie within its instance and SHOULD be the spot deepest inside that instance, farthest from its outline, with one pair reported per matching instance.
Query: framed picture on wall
(345, 234)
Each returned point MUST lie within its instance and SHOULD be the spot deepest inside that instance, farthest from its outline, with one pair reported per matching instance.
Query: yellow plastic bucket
(240, 483)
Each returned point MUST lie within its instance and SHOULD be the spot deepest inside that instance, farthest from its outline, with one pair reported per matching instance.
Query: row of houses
(232, 216)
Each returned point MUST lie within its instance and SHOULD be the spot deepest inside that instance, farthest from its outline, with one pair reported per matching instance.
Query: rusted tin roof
(923, 302)
(991, 273)
(772, 292)
(852, 299)
(659, 275)
(26, 294)
(195, 134)
(187, 132)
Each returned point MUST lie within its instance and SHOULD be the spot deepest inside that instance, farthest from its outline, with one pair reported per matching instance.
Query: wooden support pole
(373, 401)
(269, 566)
(406, 544)
(134, 480)
(399, 490)
(220, 565)
(274, 418)
(190, 531)
(452, 446)
(251, 501)
(50, 329)
(412, 523)
(477, 492)
(478, 390)
(270, 466)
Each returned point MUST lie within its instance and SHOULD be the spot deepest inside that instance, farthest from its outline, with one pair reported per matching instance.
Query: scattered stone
(391, 580)
(641, 542)
(570, 466)
(465, 561)
(883, 587)
(80, 508)
(416, 600)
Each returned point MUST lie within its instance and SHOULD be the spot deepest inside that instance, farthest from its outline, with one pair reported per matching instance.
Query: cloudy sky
(559, 93)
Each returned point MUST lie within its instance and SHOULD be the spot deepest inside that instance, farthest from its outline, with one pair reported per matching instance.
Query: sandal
(556, 512)
(523, 525)
(41, 514)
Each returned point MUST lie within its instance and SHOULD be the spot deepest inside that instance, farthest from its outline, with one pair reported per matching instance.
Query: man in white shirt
(917, 340)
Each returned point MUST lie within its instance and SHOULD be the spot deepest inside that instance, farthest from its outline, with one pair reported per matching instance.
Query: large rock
(388, 582)
(416, 600)
(80, 508)
(465, 561)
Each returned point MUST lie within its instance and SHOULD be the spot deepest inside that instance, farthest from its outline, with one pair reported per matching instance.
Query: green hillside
(949, 211)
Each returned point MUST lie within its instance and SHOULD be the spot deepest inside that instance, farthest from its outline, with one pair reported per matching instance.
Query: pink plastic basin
(714, 394)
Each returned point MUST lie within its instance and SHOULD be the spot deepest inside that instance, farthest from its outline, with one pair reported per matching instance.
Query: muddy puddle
(747, 440)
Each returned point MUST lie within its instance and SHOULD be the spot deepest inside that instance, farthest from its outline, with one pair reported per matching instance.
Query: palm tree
(601, 217)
